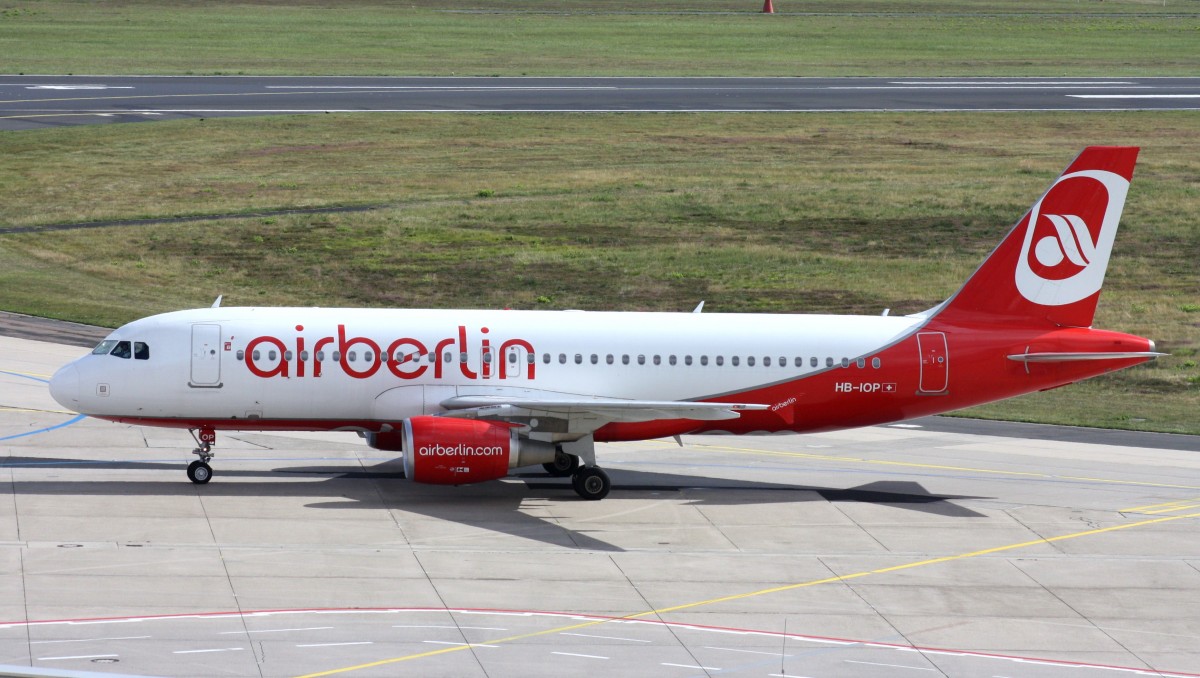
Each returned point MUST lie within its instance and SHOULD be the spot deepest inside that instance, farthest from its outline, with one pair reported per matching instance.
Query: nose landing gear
(199, 471)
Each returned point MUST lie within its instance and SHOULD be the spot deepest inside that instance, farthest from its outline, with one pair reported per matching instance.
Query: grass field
(784, 213)
(608, 37)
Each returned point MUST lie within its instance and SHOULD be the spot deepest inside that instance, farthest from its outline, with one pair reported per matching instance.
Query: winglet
(217, 303)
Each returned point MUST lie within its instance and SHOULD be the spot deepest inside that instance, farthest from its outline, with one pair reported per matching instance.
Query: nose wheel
(199, 472)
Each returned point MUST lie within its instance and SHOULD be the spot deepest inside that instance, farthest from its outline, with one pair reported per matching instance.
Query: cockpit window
(104, 347)
(122, 350)
(141, 351)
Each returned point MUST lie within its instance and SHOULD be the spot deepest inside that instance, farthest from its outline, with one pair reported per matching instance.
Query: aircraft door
(935, 362)
(206, 356)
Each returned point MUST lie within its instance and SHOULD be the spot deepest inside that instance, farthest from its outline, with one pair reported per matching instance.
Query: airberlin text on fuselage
(405, 358)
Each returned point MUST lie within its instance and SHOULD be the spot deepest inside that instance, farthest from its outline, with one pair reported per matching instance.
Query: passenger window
(241, 355)
(720, 360)
(657, 360)
(749, 361)
(351, 356)
(432, 358)
(703, 360)
(546, 358)
(595, 359)
(336, 357)
(875, 363)
(829, 362)
(766, 361)
(304, 356)
(671, 359)
(255, 356)
(562, 358)
(783, 361)
(448, 357)
(367, 356)
(287, 355)
(531, 358)
(320, 356)
(487, 356)
(578, 358)
(799, 361)
(641, 360)
(687, 360)
(122, 350)
(861, 363)
(845, 362)
(625, 359)
(462, 357)
(272, 355)
(608, 359)
(512, 358)
(733, 361)
(813, 361)
(104, 347)
(140, 351)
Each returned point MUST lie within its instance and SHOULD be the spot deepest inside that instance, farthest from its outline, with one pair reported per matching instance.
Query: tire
(591, 483)
(564, 465)
(199, 473)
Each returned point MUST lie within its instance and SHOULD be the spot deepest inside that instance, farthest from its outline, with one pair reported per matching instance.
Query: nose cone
(64, 387)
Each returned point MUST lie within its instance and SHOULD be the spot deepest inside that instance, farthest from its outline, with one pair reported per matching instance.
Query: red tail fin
(1050, 267)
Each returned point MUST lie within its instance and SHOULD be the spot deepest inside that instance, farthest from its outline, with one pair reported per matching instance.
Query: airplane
(471, 395)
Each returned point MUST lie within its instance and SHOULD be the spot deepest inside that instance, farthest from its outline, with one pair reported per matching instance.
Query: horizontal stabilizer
(1072, 357)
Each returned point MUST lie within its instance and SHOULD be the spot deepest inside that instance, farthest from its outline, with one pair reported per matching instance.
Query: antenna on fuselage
(217, 303)
(699, 307)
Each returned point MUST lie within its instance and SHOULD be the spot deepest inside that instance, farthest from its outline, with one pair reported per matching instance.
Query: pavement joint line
(760, 592)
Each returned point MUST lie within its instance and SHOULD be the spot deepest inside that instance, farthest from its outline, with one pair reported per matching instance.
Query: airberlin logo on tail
(1069, 236)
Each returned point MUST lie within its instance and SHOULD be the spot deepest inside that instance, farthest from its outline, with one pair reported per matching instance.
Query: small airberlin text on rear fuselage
(405, 358)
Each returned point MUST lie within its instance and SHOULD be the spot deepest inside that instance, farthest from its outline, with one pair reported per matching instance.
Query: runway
(888, 551)
(29, 102)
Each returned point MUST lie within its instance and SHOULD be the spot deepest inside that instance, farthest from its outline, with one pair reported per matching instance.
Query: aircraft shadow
(494, 506)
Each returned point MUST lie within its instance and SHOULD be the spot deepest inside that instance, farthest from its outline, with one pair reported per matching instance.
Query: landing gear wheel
(591, 483)
(199, 472)
(564, 465)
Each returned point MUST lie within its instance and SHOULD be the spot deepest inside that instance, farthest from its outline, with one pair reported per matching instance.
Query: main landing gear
(589, 480)
(199, 471)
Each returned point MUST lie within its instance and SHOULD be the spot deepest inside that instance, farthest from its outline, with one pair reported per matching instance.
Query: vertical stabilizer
(1050, 267)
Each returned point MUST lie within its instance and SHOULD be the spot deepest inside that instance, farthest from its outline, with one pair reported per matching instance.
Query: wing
(581, 416)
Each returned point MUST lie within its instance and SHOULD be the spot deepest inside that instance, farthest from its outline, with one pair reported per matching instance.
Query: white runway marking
(82, 656)
(891, 666)
(734, 649)
(361, 642)
(456, 628)
(586, 656)
(310, 628)
(443, 642)
(87, 640)
(218, 649)
(693, 666)
(1134, 96)
(585, 635)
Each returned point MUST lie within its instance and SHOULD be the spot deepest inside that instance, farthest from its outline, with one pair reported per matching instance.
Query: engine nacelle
(447, 451)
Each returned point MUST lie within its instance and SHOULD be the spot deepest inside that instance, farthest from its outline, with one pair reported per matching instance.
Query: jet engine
(447, 451)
